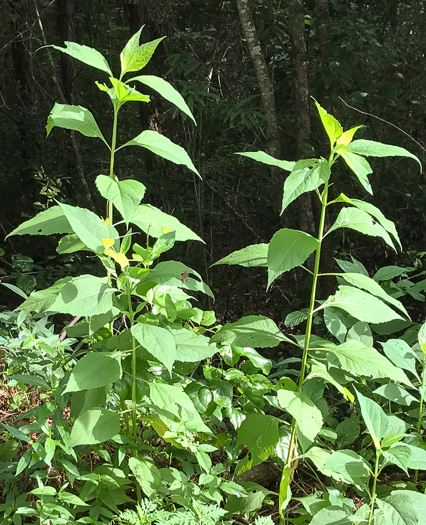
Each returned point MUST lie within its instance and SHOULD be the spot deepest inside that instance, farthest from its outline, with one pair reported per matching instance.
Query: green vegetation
(143, 409)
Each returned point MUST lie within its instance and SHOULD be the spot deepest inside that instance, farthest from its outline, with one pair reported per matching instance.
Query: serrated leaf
(191, 347)
(362, 222)
(374, 418)
(252, 330)
(41, 300)
(166, 90)
(307, 175)
(288, 249)
(124, 93)
(387, 273)
(398, 454)
(347, 136)
(163, 147)
(47, 222)
(359, 166)
(332, 515)
(259, 444)
(95, 425)
(85, 295)
(366, 361)
(371, 148)
(71, 244)
(264, 158)
(332, 126)
(147, 475)
(175, 273)
(253, 255)
(159, 342)
(75, 118)
(94, 370)
(402, 507)
(401, 354)
(153, 221)
(395, 393)
(349, 466)
(125, 195)
(87, 55)
(361, 305)
(134, 56)
(307, 415)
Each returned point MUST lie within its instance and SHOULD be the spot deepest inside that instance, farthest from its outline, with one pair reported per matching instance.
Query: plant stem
(112, 158)
(419, 420)
(373, 491)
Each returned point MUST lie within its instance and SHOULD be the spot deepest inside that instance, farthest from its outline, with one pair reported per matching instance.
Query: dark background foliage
(353, 54)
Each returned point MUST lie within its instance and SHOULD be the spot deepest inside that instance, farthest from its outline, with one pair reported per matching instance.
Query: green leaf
(94, 370)
(30, 380)
(252, 330)
(374, 418)
(175, 273)
(398, 454)
(366, 283)
(402, 507)
(371, 148)
(71, 499)
(90, 228)
(361, 331)
(349, 467)
(417, 458)
(124, 93)
(332, 515)
(260, 435)
(159, 342)
(332, 126)
(363, 360)
(422, 338)
(147, 475)
(163, 147)
(75, 118)
(264, 158)
(135, 57)
(71, 244)
(85, 295)
(387, 273)
(395, 393)
(155, 222)
(307, 175)
(126, 195)
(361, 305)
(362, 222)
(307, 415)
(47, 222)
(285, 490)
(319, 370)
(347, 136)
(41, 300)
(359, 166)
(87, 55)
(166, 90)
(288, 249)
(95, 425)
(401, 354)
(191, 347)
(253, 255)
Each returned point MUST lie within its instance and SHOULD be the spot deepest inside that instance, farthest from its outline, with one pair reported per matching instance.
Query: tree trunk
(266, 92)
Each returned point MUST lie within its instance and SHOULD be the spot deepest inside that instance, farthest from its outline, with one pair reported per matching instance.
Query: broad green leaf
(191, 347)
(361, 331)
(253, 255)
(90, 228)
(347, 136)
(361, 305)
(30, 380)
(85, 295)
(95, 425)
(71, 244)
(163, 147)
(402, 507)
(307, 175)
(307, 415)
(370, 285)
(285, 490)
(359, 166)
(71, 499)
(46, 222)
(135, 57)
(347, 431)
(331, 125)
(387, 273)
(332, 515)
(155, 222)
(41, 300)
(366, 361)
(319, 370)
(260, 435)
(264, 158)
(75, 118)
(252, 330)
(147, 475)
(126, 195)
(95, 369)
(371, 148)
(124, 93)
(362, 222)
(395, 393)
(337, 323)
(350, 467)
(374, 418)
(159, 342)
(398, 454)
(87, 55)
(175, 273)
(417, 458)
(288, 249)
(166, 90)
(401, 354)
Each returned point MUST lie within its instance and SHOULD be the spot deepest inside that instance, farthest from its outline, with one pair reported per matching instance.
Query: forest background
(247, 70)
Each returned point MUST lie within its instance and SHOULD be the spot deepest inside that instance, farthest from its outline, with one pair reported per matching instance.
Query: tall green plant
(358, 302)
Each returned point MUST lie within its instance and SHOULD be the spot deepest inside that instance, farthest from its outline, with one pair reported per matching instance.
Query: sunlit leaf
(87, 55)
